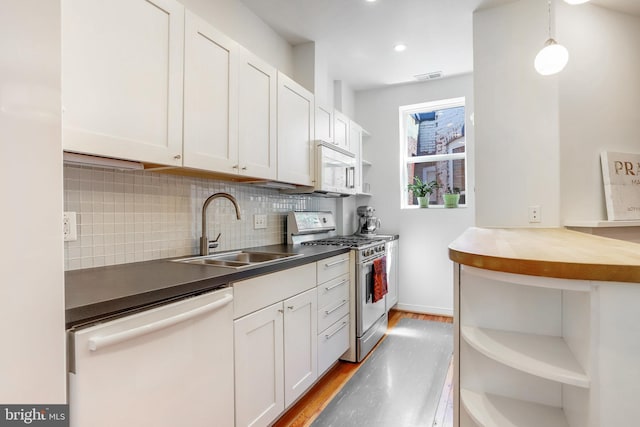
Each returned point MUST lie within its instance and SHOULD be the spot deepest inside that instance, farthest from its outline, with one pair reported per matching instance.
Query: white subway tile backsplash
(132, 216)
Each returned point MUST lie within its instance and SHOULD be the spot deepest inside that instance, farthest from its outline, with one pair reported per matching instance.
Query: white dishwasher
(166, 366)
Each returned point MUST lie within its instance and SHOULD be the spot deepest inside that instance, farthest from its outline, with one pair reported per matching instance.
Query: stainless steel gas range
(368, 318)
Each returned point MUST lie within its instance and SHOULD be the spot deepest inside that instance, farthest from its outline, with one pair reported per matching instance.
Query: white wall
(599, 101)
(234, 19)
(425, 268)
(517, 134)
(344, 98)
(32, 359)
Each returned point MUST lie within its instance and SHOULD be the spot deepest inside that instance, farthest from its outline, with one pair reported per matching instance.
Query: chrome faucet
(205, 245)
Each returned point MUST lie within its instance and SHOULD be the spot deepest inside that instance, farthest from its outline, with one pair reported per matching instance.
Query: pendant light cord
(549, 13)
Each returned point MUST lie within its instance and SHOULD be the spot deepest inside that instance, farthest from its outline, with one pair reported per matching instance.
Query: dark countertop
(95, 293)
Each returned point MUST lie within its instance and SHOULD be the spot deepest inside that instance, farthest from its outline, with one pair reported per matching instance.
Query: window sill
(436, 207)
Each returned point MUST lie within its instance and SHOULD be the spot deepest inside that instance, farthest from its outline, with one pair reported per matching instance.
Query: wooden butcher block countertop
(548, 252)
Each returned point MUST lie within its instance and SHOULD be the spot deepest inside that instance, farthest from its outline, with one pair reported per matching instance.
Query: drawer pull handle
(327, 336)
(327, 312)
(328, 288)
(331, 264)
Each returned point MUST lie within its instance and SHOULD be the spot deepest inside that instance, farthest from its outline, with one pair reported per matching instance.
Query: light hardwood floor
(309, 406)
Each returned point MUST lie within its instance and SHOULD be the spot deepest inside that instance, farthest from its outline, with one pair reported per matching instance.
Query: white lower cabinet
(333, 310)
(332, 343)
(393, 283)
(300, 345)
(275, 346)
(259, 356)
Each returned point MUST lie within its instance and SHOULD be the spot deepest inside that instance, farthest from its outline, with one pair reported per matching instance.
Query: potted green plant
(422, 190)
(451, 197)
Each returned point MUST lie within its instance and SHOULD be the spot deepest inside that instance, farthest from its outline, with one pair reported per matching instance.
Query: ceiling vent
(428, 76)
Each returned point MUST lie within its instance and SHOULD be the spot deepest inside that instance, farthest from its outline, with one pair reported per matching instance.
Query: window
(432, 144)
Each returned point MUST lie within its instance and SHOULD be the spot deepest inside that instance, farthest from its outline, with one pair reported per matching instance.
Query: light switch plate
(259, 221)
(69, 227)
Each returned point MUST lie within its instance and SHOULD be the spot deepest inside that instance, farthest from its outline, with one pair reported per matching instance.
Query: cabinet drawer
(258, 292)
(333, 291)
(333, 267)
(332, 343)
(332, 313)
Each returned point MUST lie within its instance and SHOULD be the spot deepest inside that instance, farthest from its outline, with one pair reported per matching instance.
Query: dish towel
(379, 278)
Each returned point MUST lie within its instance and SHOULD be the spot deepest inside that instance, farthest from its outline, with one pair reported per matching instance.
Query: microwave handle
(351, 177)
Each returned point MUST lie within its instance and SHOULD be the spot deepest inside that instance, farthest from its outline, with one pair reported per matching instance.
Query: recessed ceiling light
(370, 1)
(576, 1)
(400, 47)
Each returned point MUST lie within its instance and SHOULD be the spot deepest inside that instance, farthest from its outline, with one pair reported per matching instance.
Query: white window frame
(405, 159)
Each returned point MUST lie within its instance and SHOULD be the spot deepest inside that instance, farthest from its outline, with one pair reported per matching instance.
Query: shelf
(601, 224)
(540, 355)
(366, 162)
(364, 194)
(497, 411)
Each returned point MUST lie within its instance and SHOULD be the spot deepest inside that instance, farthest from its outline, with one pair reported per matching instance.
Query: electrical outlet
(69, 227)
(534, 214)
(259, 221)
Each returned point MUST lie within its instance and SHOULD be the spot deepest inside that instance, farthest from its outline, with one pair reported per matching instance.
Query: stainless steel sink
(239, 259)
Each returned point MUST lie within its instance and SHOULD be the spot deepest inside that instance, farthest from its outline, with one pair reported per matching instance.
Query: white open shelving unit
(524, 350)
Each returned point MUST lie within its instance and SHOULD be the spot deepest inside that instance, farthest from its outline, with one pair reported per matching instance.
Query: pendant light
(553, 57)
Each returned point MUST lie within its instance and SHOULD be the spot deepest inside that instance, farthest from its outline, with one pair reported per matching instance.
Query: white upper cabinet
(355, 142)
(230, 105)
(341, 130)
(296, 116)
(122, 78)
(257, 117)
(210, 98)
(324, 123)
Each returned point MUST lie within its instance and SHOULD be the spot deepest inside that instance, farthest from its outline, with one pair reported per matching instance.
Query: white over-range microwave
(335, 170)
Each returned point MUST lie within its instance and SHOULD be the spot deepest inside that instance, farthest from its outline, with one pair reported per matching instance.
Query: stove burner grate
(349, 241)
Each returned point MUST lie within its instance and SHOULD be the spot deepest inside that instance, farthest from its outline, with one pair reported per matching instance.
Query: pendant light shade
(551, 59)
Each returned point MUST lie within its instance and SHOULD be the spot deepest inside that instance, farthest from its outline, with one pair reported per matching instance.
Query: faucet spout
(204, 240)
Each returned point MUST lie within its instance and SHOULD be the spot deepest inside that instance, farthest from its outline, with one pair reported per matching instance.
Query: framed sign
(621, 176)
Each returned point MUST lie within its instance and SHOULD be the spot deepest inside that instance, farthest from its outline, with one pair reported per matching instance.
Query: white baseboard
(425, 309)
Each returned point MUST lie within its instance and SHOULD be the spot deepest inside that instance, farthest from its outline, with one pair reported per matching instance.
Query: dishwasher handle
(96, 343)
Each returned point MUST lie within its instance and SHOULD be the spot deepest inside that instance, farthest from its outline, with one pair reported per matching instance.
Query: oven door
(367, 312)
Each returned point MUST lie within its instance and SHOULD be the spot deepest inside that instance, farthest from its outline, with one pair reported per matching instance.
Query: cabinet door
(122, 79)
(392, 273)
(341, 130)
(210, 98)
(355, 142)
(295, 132)
(300, 344)
(257, 117)
(324, 123)
(259, 367)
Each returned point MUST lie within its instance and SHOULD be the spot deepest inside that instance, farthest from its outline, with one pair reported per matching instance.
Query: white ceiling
(359, 36)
